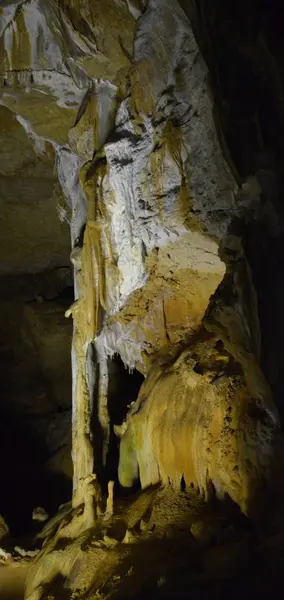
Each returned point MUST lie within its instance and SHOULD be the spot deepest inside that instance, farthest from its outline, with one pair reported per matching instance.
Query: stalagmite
(109, 505)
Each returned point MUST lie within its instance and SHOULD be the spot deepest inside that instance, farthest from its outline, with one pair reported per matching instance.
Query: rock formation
(125, 114)
(227, 435)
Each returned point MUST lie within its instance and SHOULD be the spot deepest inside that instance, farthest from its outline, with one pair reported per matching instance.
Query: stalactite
(199, 422)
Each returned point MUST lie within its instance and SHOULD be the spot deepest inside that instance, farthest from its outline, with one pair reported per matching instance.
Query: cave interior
(121, 350)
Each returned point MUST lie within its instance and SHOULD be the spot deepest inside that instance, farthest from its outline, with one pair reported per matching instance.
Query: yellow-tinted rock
(196, 420)
(170, 307)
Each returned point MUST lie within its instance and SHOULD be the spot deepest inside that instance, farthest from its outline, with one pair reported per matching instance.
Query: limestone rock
(39, 514)
(116, 96)
(152, 113)
(52, 53)
(32, 239)
(196, 420)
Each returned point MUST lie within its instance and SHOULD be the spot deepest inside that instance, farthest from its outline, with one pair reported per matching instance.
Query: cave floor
(12, 580)
(158, 545)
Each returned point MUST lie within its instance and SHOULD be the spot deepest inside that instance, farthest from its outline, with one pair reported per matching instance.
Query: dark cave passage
(124, 386)
(123, 389)
(25, 482)
(35, 399)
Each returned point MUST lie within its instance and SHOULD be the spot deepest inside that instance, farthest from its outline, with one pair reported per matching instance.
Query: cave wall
(35, 366)
(243, 48)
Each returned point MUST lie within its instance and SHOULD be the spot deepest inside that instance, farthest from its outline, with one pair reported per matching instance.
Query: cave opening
(123, 389)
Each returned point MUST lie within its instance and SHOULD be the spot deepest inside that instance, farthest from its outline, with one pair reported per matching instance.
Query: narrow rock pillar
(86, 312)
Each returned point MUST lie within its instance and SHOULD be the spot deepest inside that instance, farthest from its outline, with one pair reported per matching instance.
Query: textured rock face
(204, 397)
(54, 51)
(243, 50)
(117, 93)
(32, 239)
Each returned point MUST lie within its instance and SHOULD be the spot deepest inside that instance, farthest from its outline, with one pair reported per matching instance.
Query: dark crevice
(123, 390)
